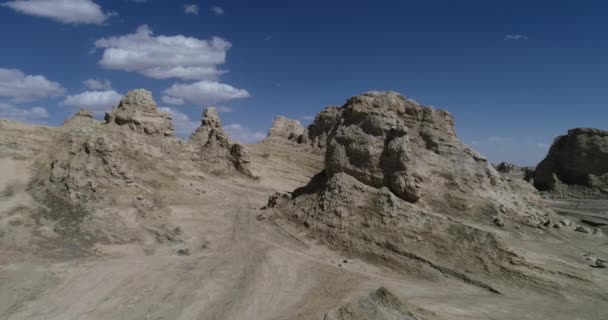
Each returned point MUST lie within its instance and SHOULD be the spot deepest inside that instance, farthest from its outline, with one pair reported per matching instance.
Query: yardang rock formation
(400, 188)
(576, 165)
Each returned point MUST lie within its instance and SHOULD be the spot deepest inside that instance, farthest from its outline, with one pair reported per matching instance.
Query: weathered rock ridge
(105, 182)
(576, 165)
(216, 153)
(399, 186)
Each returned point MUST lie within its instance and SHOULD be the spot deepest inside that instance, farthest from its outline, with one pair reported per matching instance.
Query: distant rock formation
(217, 154)
(83, 116)
(324, 122)
(576, 165)
(315, 135)
(400, 187)
(510, 170)
(285, 129)
(138, 111)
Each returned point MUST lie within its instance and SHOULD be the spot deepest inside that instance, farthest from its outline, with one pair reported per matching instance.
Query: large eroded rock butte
(576, 165)
(400, 188)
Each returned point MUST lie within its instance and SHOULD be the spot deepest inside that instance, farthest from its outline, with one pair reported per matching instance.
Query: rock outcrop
(512, 171)
(315, 135)
(138, 111)
(285, 129)
(399, 187)
(380, 304)
(216, 153)
(319, 130)
(82, 117)
(99, 182)
(576, 165)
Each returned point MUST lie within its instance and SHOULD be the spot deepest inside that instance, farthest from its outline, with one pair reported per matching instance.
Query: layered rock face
(286, 129)
(138, 111)
(576, 165)
(399, 186)
(217, 154)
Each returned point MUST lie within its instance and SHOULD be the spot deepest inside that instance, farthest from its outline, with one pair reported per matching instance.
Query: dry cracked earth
(375, 212)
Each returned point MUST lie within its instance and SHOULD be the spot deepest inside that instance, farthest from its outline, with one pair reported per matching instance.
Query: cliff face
(576, 165)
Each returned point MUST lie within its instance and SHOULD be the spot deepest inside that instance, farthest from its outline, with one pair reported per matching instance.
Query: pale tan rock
(576, 165)
(138, 111)
(285, 128)
(216, 153)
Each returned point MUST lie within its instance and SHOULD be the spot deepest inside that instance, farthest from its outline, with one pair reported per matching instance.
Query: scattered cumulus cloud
(93, 84)
(224, 109)
(515, 37)
(217, 10)
(205, 92)
(182, 123)
(20, 87)
(96, 101)
(191, 9)
(164, 57)
(172, 100)
(65, 11)
(11, 112)
(243, 134)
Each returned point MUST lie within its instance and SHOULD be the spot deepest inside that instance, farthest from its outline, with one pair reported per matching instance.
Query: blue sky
(515, 74)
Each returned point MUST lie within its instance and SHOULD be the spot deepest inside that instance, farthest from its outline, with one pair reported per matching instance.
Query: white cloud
(172, 100)
(308, 118)
(217, 10)
(191, 9)
(243, 134)
(183, 125)
(205, 92)
(21, 87)
(515, 37)
(66, 11)
(35, 114)
(93, 84)
(96, 101)
(163, 57)
(224, 109)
